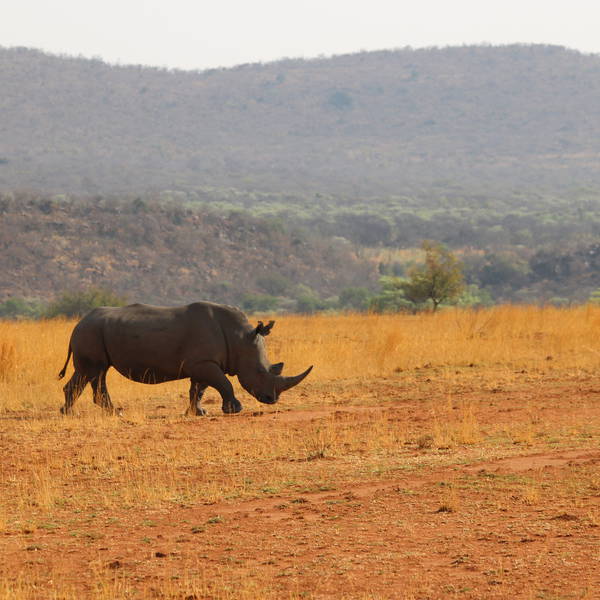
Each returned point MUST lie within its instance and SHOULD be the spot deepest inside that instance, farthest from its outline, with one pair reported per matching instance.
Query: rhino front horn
(285, 383)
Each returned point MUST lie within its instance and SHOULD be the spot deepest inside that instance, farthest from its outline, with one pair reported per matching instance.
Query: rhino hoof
(198, 412)
(232, 408)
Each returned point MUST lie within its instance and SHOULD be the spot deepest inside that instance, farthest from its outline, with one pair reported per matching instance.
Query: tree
(392, 297)
(440, 279)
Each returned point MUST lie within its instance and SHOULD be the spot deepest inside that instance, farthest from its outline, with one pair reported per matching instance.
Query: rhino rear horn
(276, 369)
(285, 383)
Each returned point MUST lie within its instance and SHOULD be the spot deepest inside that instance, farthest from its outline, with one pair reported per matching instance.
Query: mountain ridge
(481, 119)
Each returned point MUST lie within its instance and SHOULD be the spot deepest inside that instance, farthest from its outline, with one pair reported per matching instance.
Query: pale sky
(200, 34)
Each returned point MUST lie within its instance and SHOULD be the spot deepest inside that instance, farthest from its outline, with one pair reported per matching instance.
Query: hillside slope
(431, 121)
(163, 254)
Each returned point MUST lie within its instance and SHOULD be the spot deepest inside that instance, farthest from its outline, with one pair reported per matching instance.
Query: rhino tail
(64, 369)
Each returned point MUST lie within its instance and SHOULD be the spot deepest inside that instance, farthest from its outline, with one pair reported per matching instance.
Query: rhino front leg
(211, 375)
(196, 393)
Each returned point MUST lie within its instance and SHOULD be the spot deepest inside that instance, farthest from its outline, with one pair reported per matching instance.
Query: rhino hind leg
(101, 395)
(196, 393)
(72, 390)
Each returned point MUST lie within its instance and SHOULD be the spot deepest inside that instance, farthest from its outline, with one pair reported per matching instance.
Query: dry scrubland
(431, 456)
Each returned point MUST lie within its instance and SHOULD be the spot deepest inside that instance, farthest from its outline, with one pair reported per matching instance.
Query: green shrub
(259, 303)
(274, 283)
(595, 297)
(392, 297)
(308, 304)
(76, 304)
(474, 296)
(355, 298)
(20, 308)
(559, 301)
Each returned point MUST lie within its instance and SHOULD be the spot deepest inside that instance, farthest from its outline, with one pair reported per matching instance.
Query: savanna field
(448, 455)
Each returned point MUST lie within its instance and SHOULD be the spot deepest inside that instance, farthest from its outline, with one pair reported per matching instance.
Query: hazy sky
(197, 34)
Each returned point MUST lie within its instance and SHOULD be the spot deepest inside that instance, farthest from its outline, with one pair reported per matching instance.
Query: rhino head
(256, 374)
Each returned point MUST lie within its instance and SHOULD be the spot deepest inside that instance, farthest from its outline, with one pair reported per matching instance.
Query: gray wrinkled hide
(150, 344)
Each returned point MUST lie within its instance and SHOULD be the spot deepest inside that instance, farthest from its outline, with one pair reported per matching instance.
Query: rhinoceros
(202, 341)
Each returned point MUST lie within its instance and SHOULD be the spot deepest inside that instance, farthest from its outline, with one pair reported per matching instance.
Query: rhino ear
(276, 369)
(262, 329)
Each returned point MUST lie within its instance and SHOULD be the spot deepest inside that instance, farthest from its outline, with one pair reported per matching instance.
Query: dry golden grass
(115, 587)
(345, 424)
(505, 337)
(488, 349)
(502, 339)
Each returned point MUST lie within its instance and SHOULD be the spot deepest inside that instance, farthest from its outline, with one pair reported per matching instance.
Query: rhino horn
(285, 383)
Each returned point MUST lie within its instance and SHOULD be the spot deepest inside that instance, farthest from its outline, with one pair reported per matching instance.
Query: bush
(259, 303)
(392, 297)
(307, 304)
(76, 304)
(274, 283)
(20, 308)
(504, 270)
(474, 296)
(355, 298)
(559, 301)
(595, 297)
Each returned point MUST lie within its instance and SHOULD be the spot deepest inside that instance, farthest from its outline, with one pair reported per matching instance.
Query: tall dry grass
(350, 346)
(358, 345)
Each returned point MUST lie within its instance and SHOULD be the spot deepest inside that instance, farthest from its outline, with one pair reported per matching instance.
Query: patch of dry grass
(110, 585)
(503, 340)
(389, 394)
(150, 458)
(539, 340)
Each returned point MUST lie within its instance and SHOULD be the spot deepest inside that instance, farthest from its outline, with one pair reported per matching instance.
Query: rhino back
(153, 344)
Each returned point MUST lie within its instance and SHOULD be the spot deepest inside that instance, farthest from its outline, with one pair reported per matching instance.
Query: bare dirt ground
(399, 487)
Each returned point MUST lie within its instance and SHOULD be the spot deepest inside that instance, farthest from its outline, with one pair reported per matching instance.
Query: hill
(151, 252)
(433, 122)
